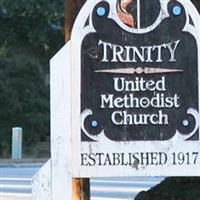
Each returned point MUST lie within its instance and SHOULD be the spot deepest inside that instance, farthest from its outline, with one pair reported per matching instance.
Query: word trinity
(118, 53)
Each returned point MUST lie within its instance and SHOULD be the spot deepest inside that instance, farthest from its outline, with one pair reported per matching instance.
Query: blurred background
(31, 32)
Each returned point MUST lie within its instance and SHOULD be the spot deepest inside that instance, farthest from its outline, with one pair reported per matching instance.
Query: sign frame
(104, 149)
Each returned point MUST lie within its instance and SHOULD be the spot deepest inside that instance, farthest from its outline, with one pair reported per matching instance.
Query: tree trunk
(72, 7)
(197, 4)
(80, 187)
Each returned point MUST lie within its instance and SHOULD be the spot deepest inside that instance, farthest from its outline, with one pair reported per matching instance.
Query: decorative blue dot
(94, 123)
(177, 10)
(185, 123)
(101, 11)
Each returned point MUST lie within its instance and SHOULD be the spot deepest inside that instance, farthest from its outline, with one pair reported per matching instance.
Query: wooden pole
(80, 189)
(197, 4)
(72, 7)
(80, 186)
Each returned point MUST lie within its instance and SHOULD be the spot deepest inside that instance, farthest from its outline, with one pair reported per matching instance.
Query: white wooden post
(61, 125)
(16, 143)
(54, 180)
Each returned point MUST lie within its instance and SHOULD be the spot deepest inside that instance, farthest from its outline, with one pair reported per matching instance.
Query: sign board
(135, 89)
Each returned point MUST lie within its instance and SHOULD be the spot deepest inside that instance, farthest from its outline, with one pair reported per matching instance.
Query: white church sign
(135, 89)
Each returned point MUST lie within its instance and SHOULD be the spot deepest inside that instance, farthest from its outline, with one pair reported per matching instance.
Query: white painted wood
(17, 143)
(54, 181)
(61, 124)
(178, 144)
(41, 184)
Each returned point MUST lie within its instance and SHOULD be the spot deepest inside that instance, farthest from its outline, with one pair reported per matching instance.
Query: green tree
(31, 33)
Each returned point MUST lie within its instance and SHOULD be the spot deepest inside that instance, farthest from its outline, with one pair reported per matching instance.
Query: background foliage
(31, 33)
